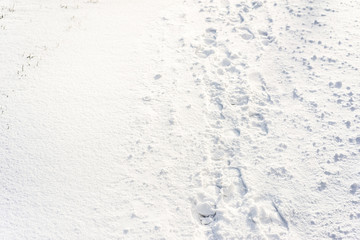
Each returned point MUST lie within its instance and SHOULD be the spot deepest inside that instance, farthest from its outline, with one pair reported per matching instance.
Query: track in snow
(179, 120)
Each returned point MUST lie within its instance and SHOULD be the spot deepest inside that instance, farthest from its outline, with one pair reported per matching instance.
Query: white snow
(179, 119)
(205, 209)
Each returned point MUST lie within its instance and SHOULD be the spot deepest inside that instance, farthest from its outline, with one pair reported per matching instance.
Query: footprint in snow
(206, 212)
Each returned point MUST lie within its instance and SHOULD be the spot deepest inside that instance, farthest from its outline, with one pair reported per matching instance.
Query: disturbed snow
(179, 119)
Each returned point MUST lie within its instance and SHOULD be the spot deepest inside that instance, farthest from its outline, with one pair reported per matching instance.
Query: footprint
(204, 53)
(246, 34)
(263, 126)
(267, 39)
(233, 132)
(267, 215)
(204, 208)
(233, 184)
(239, 97)
(256, 4)
(226, 62)
(258, 86)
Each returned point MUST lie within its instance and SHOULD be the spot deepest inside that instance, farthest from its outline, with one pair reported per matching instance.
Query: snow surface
(179, 119)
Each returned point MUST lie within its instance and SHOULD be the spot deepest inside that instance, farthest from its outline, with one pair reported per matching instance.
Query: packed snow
(181, 119)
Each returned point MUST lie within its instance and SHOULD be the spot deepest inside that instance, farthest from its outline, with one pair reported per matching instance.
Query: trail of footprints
(237, 98)
(228, 58)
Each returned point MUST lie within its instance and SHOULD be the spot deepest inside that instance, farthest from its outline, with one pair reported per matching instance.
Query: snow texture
(179, 119)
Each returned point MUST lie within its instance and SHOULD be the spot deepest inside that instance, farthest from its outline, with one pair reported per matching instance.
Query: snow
(205, 209)
(179, 119)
